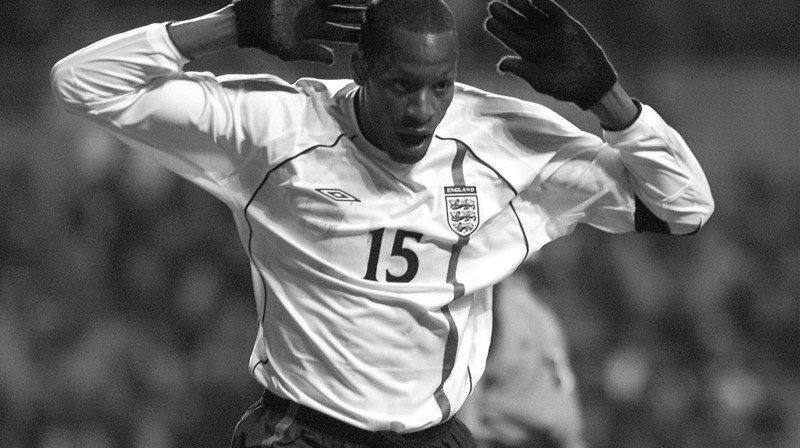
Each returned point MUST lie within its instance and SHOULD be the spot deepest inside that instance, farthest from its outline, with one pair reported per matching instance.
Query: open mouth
(412, 139)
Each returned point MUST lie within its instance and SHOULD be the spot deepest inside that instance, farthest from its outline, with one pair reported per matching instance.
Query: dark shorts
(276, 422)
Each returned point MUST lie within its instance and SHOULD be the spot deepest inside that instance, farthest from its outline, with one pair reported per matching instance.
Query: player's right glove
(292, 29)
(557, 56)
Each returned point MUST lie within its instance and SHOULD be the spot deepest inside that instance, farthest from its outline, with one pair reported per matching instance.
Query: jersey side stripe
(524, 235)
(458, 164)
(451, 345)
(482, 162)
(450, 351)
(455, 254)
(458, 181)
(508, 184)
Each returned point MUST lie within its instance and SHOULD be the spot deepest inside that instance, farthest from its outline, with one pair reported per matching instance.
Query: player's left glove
(292, 29)
(556, 55)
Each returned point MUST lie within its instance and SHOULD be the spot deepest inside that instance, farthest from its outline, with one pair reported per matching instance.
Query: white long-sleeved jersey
(372, 278)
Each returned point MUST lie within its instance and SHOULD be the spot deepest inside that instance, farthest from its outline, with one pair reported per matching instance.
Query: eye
(442, 86)
(402, 86)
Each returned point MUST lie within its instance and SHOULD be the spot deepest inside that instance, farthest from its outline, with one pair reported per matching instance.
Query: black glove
(291, 29)
(557, 56)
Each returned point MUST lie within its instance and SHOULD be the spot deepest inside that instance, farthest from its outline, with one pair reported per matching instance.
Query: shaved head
(418, 16)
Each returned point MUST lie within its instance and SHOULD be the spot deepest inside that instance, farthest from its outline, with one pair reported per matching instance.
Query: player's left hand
(556, 55)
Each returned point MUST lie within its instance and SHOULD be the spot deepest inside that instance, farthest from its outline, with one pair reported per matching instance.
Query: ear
(358, 67)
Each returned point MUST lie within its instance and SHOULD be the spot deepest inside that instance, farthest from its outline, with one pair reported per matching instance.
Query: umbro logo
(338, 195)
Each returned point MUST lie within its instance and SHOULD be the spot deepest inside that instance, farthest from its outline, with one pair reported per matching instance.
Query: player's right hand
(292, 29)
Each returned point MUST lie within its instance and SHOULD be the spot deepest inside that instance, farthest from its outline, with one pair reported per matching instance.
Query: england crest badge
(462, 209)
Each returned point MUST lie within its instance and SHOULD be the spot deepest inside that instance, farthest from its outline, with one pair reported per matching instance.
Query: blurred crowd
(126, 313)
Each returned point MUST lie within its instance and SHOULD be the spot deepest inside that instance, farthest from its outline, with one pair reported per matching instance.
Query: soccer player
(527, 397)
(377, 213)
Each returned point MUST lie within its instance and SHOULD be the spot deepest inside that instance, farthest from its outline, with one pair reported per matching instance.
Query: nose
(421, 106)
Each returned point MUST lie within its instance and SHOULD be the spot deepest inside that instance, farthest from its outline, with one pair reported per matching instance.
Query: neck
(358, 106)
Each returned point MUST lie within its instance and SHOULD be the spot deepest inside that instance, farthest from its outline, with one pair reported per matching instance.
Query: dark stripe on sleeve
(646, 221)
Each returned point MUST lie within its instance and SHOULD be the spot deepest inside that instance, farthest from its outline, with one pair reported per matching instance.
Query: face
(406, 91)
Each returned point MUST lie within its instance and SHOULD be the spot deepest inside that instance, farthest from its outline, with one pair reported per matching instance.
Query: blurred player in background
(377, 213)
(527, 397)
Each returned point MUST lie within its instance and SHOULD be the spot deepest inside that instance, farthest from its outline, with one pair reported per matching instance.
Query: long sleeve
(133, 86)
(665, 174)
(202, 127)
(98, 78)
(644, 178)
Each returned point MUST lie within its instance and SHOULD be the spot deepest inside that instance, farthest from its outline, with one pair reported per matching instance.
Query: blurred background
(126, 314)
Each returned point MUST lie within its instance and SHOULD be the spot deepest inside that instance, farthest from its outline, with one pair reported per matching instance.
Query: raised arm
(557, 57)
(133, 83)
(289, 29)
(206, 34)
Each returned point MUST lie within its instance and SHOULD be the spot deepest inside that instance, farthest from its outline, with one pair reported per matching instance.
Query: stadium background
(126, 317)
